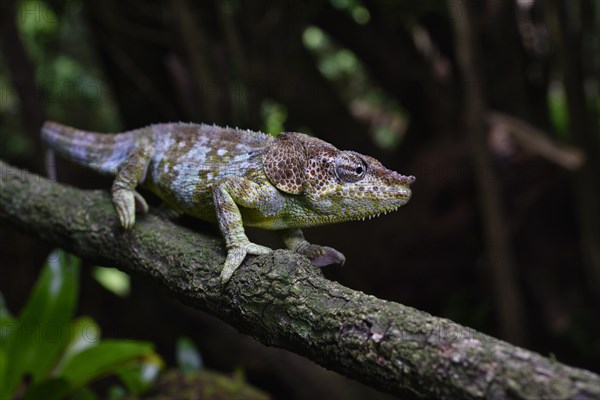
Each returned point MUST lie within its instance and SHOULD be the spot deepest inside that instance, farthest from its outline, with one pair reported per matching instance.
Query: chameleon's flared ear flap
(284, 163)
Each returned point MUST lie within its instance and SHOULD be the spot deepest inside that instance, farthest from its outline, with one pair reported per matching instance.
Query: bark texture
(281, 300)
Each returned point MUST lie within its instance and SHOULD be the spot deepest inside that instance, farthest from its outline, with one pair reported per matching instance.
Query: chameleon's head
(333, 185)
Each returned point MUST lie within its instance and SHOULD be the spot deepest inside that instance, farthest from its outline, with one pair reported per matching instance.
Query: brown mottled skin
(238, 178)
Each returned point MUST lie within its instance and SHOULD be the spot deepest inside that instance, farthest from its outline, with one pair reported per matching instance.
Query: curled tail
(101, 152)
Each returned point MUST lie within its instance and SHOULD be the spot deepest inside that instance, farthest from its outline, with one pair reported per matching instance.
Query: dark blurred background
(502, 234)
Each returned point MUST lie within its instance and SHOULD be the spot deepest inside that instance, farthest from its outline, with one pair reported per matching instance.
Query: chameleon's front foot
(126, 202)
(236, 255)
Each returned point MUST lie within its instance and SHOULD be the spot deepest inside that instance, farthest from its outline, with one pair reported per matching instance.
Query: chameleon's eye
(350, 168)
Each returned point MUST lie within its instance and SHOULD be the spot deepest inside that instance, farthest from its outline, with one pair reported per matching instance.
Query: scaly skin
(238, 178)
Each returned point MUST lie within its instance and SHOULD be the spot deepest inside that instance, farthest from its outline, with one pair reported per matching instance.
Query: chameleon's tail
(101, 152)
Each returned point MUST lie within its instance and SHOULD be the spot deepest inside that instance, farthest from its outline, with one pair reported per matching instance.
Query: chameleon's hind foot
(126, 202)
(321, 256)
(236, 255)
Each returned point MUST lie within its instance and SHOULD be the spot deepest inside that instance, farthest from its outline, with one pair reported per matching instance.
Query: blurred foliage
(113, 280)
(557, 105)
(69, 81)
(188, 357)
(354, 8)
(45, 353)
(364, 98)
(274, 116)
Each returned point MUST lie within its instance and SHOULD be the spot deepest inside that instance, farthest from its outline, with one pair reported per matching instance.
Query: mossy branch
(282, 301)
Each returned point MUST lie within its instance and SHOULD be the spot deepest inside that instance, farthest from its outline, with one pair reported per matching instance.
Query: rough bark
(281, 300)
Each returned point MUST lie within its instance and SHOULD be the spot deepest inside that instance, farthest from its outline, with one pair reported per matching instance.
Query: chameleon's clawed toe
(127, 221)
(124, 203)
(257, 250)
(140, 203)
(236, 255)
(328, 257)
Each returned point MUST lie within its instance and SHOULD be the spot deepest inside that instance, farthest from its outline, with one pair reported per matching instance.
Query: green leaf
(107, 357)
(85, 333)
(42, 329)
(188, 357)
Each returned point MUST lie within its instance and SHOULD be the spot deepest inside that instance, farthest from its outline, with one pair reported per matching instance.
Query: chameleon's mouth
(356, 203)
(377, 207)
(384, 212)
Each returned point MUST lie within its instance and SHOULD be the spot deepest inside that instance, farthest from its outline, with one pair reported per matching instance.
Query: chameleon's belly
(254, 218)
(197, 201)
(198, 204)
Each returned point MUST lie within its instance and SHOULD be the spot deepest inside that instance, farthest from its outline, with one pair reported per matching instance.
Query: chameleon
(237, 178)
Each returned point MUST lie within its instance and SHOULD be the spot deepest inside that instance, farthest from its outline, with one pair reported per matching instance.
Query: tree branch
(535, 141)
(281, 300)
